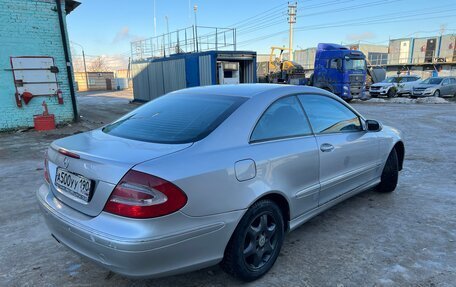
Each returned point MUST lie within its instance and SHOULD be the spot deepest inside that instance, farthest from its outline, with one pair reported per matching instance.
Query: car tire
(390, 173)
(256, 242)
(391, 93)
(436, 93)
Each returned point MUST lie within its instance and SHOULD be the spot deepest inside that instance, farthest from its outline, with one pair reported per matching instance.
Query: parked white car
(394, 86)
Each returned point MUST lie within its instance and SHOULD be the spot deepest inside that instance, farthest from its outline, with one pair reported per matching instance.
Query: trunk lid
(104, 160)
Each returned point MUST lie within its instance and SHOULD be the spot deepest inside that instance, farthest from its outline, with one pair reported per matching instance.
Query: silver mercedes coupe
(208, 175)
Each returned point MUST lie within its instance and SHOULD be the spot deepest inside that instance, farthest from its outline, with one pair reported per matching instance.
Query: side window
(284, 118)
(453, 81)
(333, 63)
(445, 82)
(327, 115)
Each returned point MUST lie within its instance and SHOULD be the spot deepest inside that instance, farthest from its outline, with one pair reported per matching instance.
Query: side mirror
(373, 126)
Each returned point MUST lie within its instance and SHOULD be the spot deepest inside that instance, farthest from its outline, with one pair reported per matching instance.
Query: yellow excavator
(284, 71)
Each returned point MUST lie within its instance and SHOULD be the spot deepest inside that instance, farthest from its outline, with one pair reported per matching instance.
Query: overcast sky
(106, 27)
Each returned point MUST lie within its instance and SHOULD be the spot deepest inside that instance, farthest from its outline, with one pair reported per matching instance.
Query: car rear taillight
(46, 171)
(68, 153)
(141, 195)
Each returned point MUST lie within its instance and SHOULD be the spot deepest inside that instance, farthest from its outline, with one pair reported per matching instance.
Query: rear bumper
(156, 247)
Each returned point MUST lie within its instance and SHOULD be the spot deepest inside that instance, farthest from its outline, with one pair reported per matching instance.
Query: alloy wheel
(260, 241)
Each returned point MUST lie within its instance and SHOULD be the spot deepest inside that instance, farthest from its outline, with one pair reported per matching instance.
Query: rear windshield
(175, 119)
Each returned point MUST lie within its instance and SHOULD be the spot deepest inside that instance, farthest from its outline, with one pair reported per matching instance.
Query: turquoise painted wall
(30, 28)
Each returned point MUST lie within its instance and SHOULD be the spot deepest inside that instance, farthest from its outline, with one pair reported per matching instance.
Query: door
(108, 84)
(348, 154)
(333, 74)
(453, 86)
(286, 154)
(446, 88)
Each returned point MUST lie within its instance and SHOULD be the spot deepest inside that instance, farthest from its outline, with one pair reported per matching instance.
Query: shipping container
(155, 77)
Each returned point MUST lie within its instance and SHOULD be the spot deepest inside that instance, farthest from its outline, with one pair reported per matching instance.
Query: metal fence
(187, 40)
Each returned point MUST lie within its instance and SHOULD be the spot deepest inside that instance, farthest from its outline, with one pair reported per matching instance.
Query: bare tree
(98, 65)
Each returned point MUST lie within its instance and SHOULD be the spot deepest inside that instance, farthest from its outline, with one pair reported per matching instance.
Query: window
(175, 118)
(227, 74)
(327, 115)
(446, 82)
(334, 63)
(453, 81)
(283, 119)
(432, 81)
(390, 80)
(377, 58)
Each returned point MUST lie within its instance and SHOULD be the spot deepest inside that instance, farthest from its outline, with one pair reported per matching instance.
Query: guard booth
(158, 76)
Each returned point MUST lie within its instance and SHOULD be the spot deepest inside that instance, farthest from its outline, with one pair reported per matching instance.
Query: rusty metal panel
(205, 70)
(174, 75)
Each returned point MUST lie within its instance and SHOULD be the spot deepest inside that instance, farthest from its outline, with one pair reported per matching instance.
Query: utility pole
(189, 12)
(167, 32)
(84, 61)
(155, 22)
(195, 8)
(291, 20)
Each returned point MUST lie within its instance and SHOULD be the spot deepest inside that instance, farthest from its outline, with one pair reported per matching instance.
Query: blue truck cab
(340, 71)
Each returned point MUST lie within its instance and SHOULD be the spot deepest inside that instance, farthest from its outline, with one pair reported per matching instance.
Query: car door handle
(326, 147)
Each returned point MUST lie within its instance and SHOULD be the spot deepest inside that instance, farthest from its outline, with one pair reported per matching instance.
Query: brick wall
(30, 28)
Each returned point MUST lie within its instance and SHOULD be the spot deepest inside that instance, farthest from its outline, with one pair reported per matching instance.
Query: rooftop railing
(188, 40)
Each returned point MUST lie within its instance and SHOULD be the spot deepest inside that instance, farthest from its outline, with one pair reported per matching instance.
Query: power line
(255, 16)
(353, 7)
(370, 20)
(359, 21)
(262, 25)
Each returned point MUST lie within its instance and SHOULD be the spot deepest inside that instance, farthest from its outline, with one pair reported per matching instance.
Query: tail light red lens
(68, 153)
(141, 195)
(46, 171)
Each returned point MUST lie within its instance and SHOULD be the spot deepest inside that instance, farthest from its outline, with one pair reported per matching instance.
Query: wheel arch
(282, 202)
(278, 198)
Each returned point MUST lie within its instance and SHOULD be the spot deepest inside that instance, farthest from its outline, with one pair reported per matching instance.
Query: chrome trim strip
(296, 222)
(308, 191)
(347, 176)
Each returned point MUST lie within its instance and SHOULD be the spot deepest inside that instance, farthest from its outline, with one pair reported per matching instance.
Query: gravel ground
(407, 238)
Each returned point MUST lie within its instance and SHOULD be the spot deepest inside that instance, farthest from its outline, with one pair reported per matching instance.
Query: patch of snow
(376, 100)
(432, 100)
(402, 101)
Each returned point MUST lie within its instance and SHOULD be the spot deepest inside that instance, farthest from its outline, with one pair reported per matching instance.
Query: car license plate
(75, 184)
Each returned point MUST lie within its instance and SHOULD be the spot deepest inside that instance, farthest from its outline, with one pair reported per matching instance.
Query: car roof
(247, 90)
